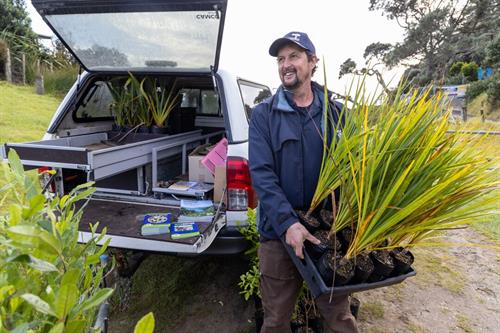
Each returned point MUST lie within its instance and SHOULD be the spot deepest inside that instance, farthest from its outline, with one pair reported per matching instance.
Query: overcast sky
(338, 29)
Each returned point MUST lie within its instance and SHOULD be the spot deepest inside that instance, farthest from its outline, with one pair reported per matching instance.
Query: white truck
(169, 40)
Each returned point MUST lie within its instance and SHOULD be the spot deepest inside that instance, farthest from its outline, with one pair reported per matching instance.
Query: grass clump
(371, 311)
(59, 81)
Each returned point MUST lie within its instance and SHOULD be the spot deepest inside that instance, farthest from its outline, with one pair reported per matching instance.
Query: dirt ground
(456, 289)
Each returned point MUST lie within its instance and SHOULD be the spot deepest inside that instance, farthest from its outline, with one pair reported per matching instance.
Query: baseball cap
(299, 38)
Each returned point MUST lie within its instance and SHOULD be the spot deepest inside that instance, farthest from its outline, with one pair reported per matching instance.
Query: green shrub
(469, 71)
(456, 68)
(60, 80)
(476, 88)
(493, 90)
(48, 282)
(454, 80)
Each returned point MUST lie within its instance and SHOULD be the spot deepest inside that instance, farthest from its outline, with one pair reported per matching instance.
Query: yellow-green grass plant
(160, 102)
(406, 178)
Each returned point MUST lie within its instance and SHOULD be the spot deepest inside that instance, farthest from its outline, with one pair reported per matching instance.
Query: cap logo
(296, 37)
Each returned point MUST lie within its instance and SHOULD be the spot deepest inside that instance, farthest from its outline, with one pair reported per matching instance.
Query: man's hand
(295, 236)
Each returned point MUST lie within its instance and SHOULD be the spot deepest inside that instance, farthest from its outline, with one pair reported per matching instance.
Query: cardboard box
(197, 171)
(220, 184)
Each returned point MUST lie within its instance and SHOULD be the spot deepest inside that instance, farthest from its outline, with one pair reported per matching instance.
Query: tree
(349, 67)
(437, 34)
(469, 71)
(15, 27)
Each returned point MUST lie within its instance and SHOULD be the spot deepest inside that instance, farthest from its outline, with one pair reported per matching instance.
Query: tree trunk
(23, 66)
(8, 66)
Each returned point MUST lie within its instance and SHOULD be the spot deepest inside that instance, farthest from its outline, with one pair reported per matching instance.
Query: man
(285, 152)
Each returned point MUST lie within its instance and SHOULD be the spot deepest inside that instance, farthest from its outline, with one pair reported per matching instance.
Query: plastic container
(317, 286)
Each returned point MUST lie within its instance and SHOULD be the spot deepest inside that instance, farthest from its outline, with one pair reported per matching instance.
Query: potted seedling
(141, 115)
(160, 103)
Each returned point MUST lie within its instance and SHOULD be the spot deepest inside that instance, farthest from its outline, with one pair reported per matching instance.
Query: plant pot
(346, 236)
(342, 267)
(403, 259)
(328, 242)
(326, 217)
(116, 128)
(159, 130)
(126, 128)
(363, 269)
(144, 129)
(383, 265)
(310, 222)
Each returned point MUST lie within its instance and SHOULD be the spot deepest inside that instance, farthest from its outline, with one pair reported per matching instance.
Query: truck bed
(125, 219)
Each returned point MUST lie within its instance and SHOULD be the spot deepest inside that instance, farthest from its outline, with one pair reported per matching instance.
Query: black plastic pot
(311, 223)
(144, 129)
(326, 219)
(116, 128)
(384, 265)
(159, 130)
(346, 236)
(403, 259)
(363, 269)
(327, 243)
(343, 269)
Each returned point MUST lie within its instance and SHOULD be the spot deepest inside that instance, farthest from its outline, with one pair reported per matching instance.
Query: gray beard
(292, 86)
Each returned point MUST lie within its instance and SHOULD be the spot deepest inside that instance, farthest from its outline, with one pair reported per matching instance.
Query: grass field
(24, 115)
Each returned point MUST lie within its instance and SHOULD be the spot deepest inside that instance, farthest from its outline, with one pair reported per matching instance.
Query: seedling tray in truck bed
(101, 154)
(318, 287)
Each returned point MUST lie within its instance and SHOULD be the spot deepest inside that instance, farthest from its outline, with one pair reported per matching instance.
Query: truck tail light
(240, 193)
(45, 178)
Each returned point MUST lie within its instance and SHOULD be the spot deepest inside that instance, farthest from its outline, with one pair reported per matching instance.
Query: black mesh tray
(317, 286)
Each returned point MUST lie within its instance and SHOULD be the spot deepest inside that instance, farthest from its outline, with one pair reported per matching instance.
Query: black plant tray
(317, 286)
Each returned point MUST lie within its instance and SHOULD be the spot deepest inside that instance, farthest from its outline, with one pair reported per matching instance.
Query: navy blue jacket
(285, 158)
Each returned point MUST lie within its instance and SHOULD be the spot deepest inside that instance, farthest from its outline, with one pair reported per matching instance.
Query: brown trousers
(280, 284)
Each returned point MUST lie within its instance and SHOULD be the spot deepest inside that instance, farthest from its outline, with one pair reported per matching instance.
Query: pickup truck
(168, 41)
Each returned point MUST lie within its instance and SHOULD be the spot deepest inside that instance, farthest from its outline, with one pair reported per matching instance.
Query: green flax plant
(139, 102)
(402, 177)
(160, 102)
(129, 107)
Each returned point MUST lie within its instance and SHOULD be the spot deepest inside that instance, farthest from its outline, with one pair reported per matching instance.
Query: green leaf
(66, 299)
(39, 304)
(24, 234)
(146, 324)
(36, 205)
(75, 326)
(99, 297)
(59, 328)
(42, 265)
(20, 329)
(15, 215)
(95, 258)
(15, 163)
(22, 258)
(71, 277)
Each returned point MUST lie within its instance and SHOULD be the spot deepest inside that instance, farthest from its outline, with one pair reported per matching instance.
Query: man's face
(294, 66)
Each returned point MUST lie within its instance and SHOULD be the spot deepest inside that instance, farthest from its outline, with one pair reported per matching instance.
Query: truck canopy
(167, 36)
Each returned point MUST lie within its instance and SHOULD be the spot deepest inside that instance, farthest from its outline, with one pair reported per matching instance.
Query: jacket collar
(280, 101)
